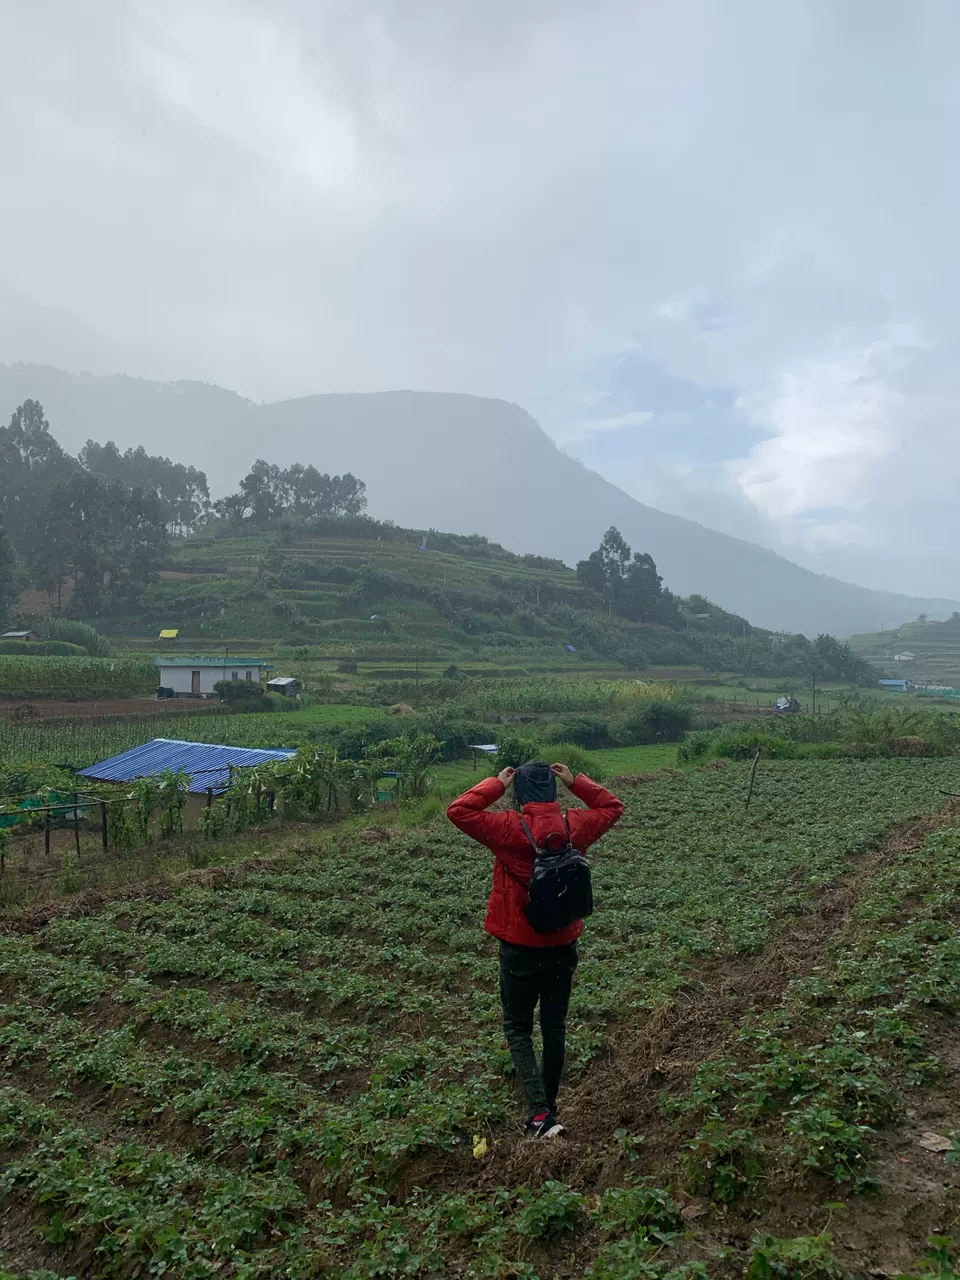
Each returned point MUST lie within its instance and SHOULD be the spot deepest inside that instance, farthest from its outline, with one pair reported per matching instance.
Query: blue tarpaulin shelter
(208, 765)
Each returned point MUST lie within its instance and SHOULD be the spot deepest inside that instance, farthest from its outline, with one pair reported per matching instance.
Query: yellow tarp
(169, 635)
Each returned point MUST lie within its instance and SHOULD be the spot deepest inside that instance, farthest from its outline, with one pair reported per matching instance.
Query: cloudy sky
(710, 244)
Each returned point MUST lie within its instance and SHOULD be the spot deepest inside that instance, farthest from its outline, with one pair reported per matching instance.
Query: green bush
(742, 744)
(651, 721)
(243, 694)
(71, 631)
(590, 732)
(514, 750)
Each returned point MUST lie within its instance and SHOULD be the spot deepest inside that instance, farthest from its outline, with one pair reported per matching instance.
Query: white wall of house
(180, 679)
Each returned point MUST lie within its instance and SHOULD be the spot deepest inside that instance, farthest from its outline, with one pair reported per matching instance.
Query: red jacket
(514, 855)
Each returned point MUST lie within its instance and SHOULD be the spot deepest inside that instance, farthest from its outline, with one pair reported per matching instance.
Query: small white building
(195, 677)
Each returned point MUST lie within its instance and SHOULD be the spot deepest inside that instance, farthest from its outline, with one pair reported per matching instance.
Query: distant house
(895, 686)
(195, 677)
(288, 686)
(904, 657)
(169, 634)
(19, 635)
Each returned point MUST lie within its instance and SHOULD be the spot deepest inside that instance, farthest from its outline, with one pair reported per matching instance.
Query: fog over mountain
(451, 462)
(709, 245)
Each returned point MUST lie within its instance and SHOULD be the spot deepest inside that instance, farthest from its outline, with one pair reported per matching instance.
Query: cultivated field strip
(251, 1077)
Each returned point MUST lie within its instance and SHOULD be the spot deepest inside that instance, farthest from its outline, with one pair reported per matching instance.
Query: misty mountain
(452, 462)
(44, 334)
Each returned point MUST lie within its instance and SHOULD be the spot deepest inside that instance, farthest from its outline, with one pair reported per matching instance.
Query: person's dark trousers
(529, 975)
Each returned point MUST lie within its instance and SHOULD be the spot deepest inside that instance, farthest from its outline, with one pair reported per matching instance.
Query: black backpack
(560, 888)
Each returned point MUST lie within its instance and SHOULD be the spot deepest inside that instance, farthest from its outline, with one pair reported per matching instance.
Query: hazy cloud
(749, 207)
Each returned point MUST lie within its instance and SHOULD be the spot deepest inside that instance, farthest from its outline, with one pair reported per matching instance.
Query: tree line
(627, 586)
(267, 492)
(96, 527)
(96, 524)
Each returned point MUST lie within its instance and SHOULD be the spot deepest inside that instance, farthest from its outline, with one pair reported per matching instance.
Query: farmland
(293, 1066)
(82, 742)
(49, 677)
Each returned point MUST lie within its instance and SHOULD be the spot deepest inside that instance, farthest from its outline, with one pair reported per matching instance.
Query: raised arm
(468, 812)
(602, 811)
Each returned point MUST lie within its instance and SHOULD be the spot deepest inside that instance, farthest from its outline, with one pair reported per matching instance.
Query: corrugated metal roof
(283, 680)
(206, 763)
(234, 662)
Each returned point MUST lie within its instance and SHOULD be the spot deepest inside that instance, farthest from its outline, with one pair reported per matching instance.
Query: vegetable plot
(291, 1071)
(49, 677)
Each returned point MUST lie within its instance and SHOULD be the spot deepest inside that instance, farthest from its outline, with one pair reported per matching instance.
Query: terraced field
(294, 1067)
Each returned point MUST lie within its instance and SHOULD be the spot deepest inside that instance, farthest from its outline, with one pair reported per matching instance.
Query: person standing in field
(534, 967)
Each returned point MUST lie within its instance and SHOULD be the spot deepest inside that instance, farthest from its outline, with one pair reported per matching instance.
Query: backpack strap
(529, 834)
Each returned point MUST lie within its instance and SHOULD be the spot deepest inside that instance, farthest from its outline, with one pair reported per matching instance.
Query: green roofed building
(196, 677)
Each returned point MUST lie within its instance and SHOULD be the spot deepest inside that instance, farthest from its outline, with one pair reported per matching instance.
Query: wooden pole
(76, 825)
(46, 832)
(753, 774)
(103, 822)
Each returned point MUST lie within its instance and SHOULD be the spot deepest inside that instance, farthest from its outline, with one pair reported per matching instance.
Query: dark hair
(534, 783)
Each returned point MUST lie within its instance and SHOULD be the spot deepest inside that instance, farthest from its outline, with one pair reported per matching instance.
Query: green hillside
(934, 648)
(454, 462)
(404, 602)
(131, 543)
(376, 598)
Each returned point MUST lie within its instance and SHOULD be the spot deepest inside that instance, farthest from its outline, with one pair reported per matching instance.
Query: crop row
(545, 694)
(295, 1038)
(51, 677)
(85, 741)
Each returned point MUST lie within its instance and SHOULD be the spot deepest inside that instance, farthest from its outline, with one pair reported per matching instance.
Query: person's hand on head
(563, 773)
(506, 775)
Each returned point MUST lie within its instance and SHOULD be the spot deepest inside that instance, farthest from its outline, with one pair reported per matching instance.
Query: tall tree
(267, 492)
(603, 570)
(8, 573)
(641, 592)
(183, 491)
(102, 536)
(628, 581)
(31, 461)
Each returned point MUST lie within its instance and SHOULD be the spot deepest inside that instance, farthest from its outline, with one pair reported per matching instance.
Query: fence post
(46, 831)
(209, 796)
(103, 822)
(76, 825)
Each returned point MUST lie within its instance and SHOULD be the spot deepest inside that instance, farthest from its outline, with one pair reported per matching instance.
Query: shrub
(243, 694)
(800, 1258)
(514, 750)
(73, 632)
(590, 732)
(550, 1211)
(655, 720)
